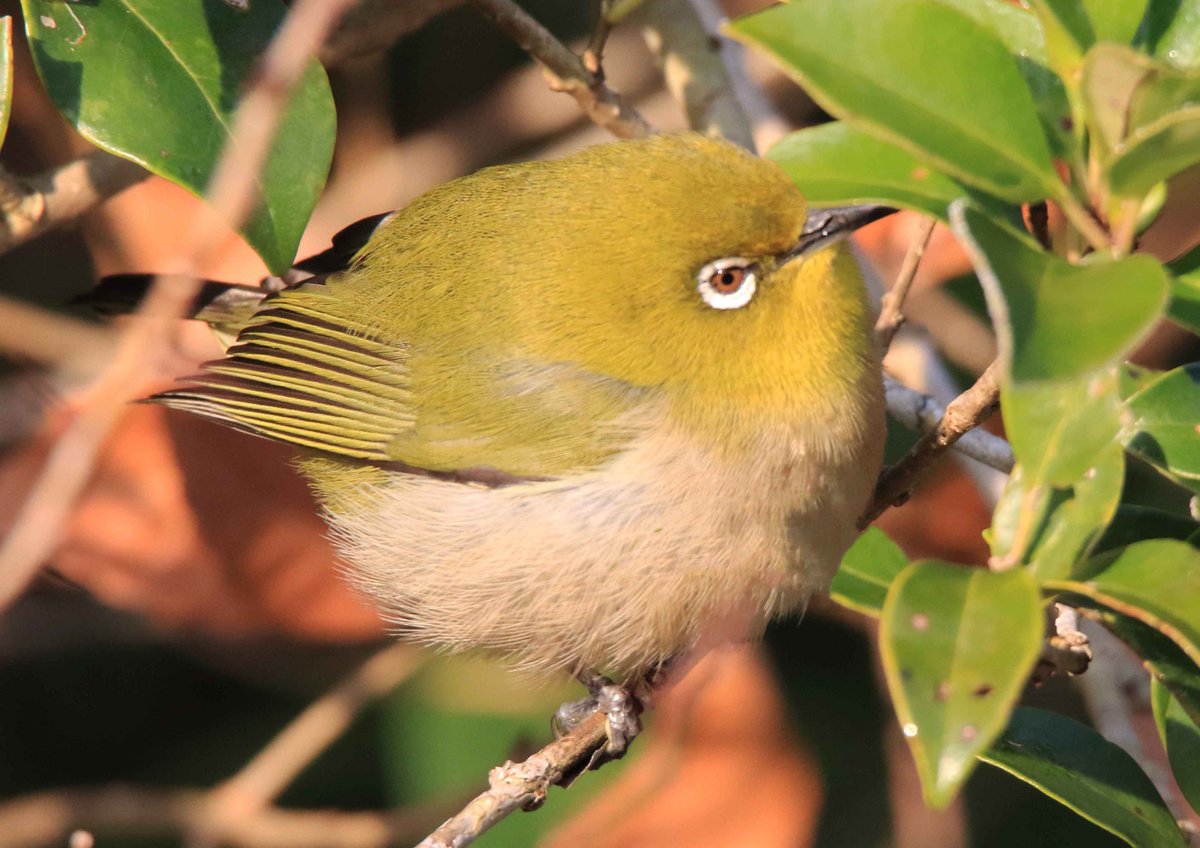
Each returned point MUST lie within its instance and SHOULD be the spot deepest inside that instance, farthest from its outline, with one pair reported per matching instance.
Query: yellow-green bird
(589, 414)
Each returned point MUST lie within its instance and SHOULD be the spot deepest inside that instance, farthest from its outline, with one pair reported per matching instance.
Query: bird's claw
(621, 725)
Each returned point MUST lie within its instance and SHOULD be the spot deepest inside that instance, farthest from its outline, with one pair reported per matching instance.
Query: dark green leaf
(964, 106)
(1181, 737)
(1170, 31)
(1166, 661)
(1185, 290)
(867, 570)
(1165, 425)
(1134, 523)
(1078, 767)
(1059, 399)
(1156, 582)
(6, 76)
(838, 164)
(957, 644)
(157, 81)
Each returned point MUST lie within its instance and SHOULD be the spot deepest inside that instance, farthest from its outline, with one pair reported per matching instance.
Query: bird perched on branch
(590, 413)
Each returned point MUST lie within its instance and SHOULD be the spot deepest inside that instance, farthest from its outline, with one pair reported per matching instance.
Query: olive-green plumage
(536, 431)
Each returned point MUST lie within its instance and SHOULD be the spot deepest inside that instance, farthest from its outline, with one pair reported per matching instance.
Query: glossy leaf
(1111, 75)
(965, 106)
(1115, 20)
(157, 81)
(1078, 767)
(866, 572)
(1170, 31)
(1060, 401)
(1156, 582)
(839, 164)
(957, 645)
(1185, 290)
(6, 74)
(1180, 736)
(1052, 528)
(1166, 661)
(1165, 425)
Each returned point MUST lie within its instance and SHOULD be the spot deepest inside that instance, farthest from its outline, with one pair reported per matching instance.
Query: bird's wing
(297, 375)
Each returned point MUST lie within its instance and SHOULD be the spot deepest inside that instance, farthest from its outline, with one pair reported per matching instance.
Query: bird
(587, 414)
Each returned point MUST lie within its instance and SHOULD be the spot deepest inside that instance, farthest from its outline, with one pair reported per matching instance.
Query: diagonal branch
(566, 71)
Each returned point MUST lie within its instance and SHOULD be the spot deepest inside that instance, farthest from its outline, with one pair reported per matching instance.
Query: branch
(30, 206)
(232, 192)
(891, 315)
(522, 786)
(697, 65)
(46, 818)
(565, 70)
(252, 789)
(31, 332)
(954, 425)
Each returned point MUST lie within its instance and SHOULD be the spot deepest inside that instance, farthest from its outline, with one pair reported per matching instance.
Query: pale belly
(669, 548)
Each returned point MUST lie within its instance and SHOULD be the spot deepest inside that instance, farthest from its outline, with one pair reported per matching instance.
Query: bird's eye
(726, 283)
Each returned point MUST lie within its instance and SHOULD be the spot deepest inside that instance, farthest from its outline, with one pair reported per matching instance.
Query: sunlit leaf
(1078, 767)
(965, 106)
(1115, 20)
(1164, 428)
(839, 164)
(957, 644)
(1156, 582)
(1171, 31)
(6, 74)
(157, 81)
(866, 572)
(1185, 290)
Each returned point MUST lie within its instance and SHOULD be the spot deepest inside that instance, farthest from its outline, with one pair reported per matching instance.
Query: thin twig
(963, 415)
(32, 205)
(273, 769)
(522, 786)
(565, 70)
(47, 818)
(232, 192)
(697, 65)
(891, 314)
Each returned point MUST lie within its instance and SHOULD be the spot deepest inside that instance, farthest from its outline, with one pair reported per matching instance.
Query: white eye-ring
(726, 283)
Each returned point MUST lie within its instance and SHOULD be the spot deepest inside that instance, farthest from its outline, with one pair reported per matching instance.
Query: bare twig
(697, 65)
(47, 818)
(232, 192)
(566, 71)
(1067, 650)
(32, 205)
(522, 786)
(891, 314)
(963, 415)
(273, 769)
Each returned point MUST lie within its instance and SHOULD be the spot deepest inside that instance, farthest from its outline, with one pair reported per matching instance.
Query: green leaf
(837, 164)
(1155, 152)
(1115, 20)
(6, 74)
(157, 81)
(866, 572)
(1156, 582)
(1166, 661)
(1185, 290)
(1053, 528)
(1134, 523)
(1181, 737)
(1079, 768)
(1111, 75)
(1068, 30)
(957, 644)
(1170, 31)
(1059, 399)
(964, 107)
(1164, 428)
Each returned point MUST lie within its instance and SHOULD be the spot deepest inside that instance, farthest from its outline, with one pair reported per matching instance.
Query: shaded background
(194, 607)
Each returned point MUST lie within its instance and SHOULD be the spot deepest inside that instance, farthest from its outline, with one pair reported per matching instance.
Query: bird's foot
(620, 707)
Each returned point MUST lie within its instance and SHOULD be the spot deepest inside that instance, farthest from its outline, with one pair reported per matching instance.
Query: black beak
(827, 226)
